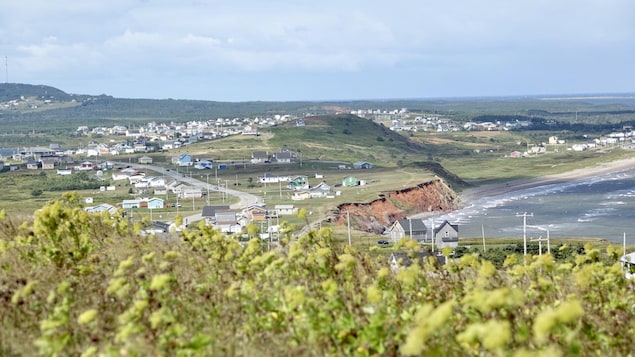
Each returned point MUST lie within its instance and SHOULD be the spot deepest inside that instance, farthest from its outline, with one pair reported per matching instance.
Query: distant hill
(69, 110)
(15, 91)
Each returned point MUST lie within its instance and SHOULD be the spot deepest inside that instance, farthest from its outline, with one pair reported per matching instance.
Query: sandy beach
(471, 194)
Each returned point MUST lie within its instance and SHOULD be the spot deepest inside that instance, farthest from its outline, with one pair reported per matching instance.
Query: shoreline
(489, 190)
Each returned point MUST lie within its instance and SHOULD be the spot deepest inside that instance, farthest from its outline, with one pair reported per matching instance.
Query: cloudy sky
(243, 50)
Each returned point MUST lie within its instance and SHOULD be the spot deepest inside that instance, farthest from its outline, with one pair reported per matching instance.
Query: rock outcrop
(432, 196)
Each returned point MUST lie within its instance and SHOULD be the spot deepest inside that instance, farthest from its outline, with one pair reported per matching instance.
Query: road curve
(246, 199)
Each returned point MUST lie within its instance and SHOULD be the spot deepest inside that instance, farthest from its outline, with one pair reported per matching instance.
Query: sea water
(601, 206)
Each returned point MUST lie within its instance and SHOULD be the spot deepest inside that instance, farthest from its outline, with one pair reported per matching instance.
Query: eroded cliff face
(433, 196)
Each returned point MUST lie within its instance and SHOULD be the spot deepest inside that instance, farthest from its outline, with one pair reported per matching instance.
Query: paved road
(246, 199)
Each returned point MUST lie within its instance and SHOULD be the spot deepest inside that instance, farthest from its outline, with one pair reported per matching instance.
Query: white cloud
(437, 41)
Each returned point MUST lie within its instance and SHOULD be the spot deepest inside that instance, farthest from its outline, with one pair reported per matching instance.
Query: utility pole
(207, 189)
(348, 222)
(525, 215)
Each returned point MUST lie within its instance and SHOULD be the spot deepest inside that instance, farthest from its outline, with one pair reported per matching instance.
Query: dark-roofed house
(446, 235)
(209, 212)
(258, 157)
(283, 157)
(226, 221)
(362, 165)
(411, 228)
(402, 259)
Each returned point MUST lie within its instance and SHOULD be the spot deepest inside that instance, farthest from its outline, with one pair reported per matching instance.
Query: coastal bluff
(431, 196)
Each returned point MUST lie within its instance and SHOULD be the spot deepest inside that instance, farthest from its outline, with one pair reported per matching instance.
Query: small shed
(145, 160)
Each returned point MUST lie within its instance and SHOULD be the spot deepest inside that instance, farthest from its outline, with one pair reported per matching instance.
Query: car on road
(383, 242)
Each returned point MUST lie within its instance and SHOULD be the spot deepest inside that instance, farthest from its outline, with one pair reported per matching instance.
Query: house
(320, 191)
(515, 154)
(136, 177)
(32, 164)
(101, 208)
(129, 204)
(183, 160)
(446, 235)
(256, 213)
(155, 181)
(283, 157)
(350, 181)
(298, 183)
(300, 195)
(145, 160)
(628, 263)
(155, 202)
(250, 130)
(226, 221)
(362, 165)
(258, 157)
(85, 166)
(105, 165)
(191, 192)
(48, 163)
(283, 210)
(267, 178)
(204, 164)
(411, 228)
(209, 212)
(401, 259)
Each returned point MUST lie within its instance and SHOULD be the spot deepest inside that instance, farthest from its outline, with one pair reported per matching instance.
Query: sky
(288, 50)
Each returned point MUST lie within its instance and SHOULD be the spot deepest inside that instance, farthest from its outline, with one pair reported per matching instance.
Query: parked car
(383, 242)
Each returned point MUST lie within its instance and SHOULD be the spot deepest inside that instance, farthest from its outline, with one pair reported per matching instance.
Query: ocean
(601, 206)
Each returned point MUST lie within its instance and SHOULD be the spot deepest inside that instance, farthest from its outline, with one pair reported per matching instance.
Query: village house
(362, 165)
(145, 160)
(258, 157)
(283, 157)
(350, 181)
(298, 183)
(190, 192)
(268, 178)
(409, 228)
(182, 160)
(320, 191)
(446, 235)
(255, 213)
(283, 210)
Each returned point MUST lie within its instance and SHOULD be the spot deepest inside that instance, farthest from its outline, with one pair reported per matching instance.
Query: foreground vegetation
(75, 284)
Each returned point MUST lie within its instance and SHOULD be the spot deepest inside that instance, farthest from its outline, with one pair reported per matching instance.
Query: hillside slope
(347, 137)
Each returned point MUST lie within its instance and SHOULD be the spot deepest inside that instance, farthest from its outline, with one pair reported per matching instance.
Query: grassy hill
(348, 138)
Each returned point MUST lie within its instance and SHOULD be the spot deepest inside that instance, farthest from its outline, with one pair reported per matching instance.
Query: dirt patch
(374, 216)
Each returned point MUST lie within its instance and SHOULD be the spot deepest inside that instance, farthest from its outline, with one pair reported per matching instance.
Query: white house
(191, 192)
(283, 210)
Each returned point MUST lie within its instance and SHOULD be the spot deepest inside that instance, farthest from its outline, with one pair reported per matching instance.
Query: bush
(75, 283)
